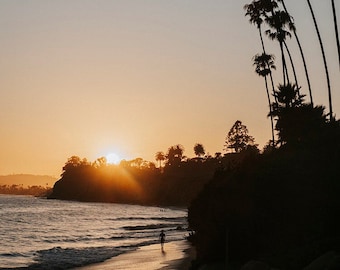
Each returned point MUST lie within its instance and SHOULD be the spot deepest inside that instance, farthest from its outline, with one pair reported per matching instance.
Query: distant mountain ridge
(28, 180)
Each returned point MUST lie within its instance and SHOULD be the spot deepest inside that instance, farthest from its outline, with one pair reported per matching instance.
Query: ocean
(37, 233)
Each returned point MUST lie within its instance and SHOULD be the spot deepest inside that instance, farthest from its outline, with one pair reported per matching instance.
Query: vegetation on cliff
(281, 206)
(136, 181)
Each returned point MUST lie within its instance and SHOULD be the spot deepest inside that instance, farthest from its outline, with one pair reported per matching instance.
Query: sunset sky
(134, 77)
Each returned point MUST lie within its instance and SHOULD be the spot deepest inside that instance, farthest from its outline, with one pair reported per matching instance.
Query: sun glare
(113, 158)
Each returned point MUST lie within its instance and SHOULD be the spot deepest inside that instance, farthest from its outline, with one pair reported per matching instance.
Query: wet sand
(175, 256)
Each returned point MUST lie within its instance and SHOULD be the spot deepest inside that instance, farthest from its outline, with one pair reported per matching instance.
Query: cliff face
(280, 207)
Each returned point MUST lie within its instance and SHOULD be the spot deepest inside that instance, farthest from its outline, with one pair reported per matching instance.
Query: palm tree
(324, 60)
(267, 6)
(288, 96)
(293, 28)
(263, 64)
(278, 22)
(199, 150)
(336, 30)
(175, 155)
(160, 157)
(255, 11)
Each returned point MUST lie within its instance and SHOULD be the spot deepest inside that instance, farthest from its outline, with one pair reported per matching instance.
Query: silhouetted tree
(160, 157)
(263, 64)
(287, 96)
(218, 155)
(175, 154)
(255, 12)
(267, 6)
(279, 31)
(72, 163)
(100, 162)
(293, 28)
(238, 138)
(259, 11)
(268, 147)
(199, 150)
(298, 124)
(137, 162)
(301, 126)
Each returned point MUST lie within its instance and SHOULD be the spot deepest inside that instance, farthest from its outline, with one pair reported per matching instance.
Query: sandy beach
(176, 255)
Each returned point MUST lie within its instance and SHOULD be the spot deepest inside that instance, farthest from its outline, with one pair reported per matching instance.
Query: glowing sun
(113, 158)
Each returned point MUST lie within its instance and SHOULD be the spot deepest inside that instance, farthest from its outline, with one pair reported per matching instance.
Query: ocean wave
(67, 258)
(176, 219)
(151, 227)
(12, 254)
(72, 234)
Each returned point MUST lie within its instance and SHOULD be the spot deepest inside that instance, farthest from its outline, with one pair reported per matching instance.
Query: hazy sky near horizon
(134, 77)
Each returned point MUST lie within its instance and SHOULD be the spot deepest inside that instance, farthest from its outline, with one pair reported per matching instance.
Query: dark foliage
(136, 181)
(238, 138)
(280, 207)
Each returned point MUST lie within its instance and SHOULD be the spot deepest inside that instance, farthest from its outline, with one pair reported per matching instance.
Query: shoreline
(183, 263)
(176, 255)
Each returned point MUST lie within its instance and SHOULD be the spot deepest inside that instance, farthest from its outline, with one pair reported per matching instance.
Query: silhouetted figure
(162, 238)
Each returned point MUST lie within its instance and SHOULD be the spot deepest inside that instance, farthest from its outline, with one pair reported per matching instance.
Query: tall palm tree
(263, 64)
(288, 96)
(336, 29)
(293, 28)
(268, 6)
(255, 11)
(160, 157)
(289, 102)
(324, 60)
(278, 23)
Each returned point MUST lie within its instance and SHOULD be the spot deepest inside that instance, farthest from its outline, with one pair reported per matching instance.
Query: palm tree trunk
(284, 67)
(273, 86)
(262, 42)
(302, 56)
(267, 90)
(305, 67)
(324, 61)
(286, 71)
(270, 111)
(336, 30)
(291, 62)
(293, 66)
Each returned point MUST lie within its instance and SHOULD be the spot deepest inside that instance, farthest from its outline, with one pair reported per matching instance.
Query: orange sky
(134, 77)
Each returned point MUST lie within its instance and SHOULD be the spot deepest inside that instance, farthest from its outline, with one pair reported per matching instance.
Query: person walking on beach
(162, 238)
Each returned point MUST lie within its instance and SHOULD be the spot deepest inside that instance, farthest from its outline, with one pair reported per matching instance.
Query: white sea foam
(50, 234)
